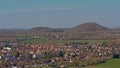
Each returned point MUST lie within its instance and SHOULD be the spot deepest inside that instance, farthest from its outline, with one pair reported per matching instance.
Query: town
(20, 55)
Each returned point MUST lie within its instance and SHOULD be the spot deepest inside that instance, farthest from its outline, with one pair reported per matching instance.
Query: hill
(88, 27)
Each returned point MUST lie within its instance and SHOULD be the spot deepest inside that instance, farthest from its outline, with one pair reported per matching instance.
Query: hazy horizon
(58, 14)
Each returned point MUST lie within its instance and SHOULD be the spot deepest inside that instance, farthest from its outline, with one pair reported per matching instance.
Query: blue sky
(58, 13)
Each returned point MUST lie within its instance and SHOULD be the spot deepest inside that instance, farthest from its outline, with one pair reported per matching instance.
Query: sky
(58, 13)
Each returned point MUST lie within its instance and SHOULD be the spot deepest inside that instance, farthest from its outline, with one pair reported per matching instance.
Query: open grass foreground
(113, 63)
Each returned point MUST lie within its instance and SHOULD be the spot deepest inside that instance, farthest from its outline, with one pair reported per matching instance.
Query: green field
(113, 63)
(56, 42)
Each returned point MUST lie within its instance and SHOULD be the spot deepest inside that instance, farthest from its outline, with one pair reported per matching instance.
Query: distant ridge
(39, 28)
(46, 29)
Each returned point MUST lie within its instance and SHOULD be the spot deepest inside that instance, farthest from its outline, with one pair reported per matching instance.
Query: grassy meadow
(113, 63)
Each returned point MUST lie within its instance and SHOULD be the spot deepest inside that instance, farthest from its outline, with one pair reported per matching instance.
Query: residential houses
(20, 56)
